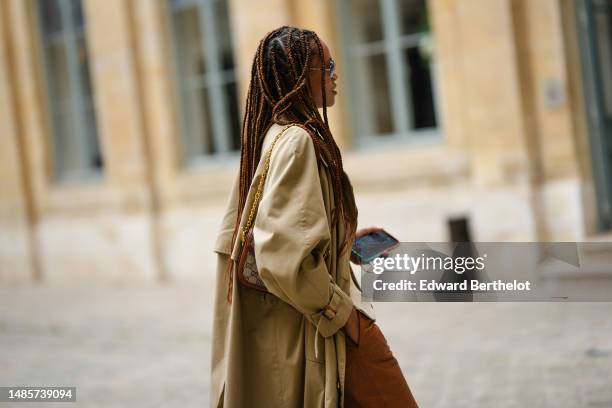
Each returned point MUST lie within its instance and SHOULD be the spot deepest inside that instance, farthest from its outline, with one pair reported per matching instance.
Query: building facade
(119, 124)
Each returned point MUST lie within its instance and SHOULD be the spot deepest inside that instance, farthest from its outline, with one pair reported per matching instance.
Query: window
(76, 149)
(388, 51)
(602, 16)
(206, 78)
(594, 18)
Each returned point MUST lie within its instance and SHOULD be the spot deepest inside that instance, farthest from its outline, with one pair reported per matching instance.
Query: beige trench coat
(285, 349)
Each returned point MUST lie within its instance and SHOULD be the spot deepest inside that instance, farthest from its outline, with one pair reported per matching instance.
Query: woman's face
(314, 78)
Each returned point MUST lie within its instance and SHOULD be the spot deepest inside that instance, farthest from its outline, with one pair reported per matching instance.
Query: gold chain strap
(262, 179)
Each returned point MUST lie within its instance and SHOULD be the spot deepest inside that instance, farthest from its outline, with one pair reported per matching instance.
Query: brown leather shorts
(373, 376)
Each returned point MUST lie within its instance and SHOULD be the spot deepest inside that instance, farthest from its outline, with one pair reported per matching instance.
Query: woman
(302, 343)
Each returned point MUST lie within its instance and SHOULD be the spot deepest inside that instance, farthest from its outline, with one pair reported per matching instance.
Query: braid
(279, 92)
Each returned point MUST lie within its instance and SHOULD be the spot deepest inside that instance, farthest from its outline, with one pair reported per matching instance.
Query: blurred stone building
(119, 124)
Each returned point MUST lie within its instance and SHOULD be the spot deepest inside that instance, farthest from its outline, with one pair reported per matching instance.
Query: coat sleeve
(291, 235)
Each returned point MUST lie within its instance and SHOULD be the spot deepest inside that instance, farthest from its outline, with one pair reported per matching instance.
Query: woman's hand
(351, 327)
(361, 233)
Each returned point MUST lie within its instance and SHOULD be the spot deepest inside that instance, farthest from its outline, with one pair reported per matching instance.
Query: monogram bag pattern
(247, 271)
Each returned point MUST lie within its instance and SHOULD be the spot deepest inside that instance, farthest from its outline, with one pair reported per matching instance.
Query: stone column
(18, 255)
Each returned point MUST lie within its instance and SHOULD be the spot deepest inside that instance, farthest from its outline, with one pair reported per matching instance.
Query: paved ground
(149, 347)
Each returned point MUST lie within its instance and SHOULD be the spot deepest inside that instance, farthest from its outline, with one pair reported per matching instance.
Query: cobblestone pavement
(128, 347)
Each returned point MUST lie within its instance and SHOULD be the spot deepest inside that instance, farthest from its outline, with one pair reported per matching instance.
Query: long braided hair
(279, 92)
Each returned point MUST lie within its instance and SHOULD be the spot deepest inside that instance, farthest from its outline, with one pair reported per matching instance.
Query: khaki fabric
(286, 348)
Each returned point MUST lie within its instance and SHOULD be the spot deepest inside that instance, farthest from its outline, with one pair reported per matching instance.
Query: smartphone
(370, 246)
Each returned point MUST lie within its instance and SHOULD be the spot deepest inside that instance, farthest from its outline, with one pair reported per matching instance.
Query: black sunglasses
(331, 68)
